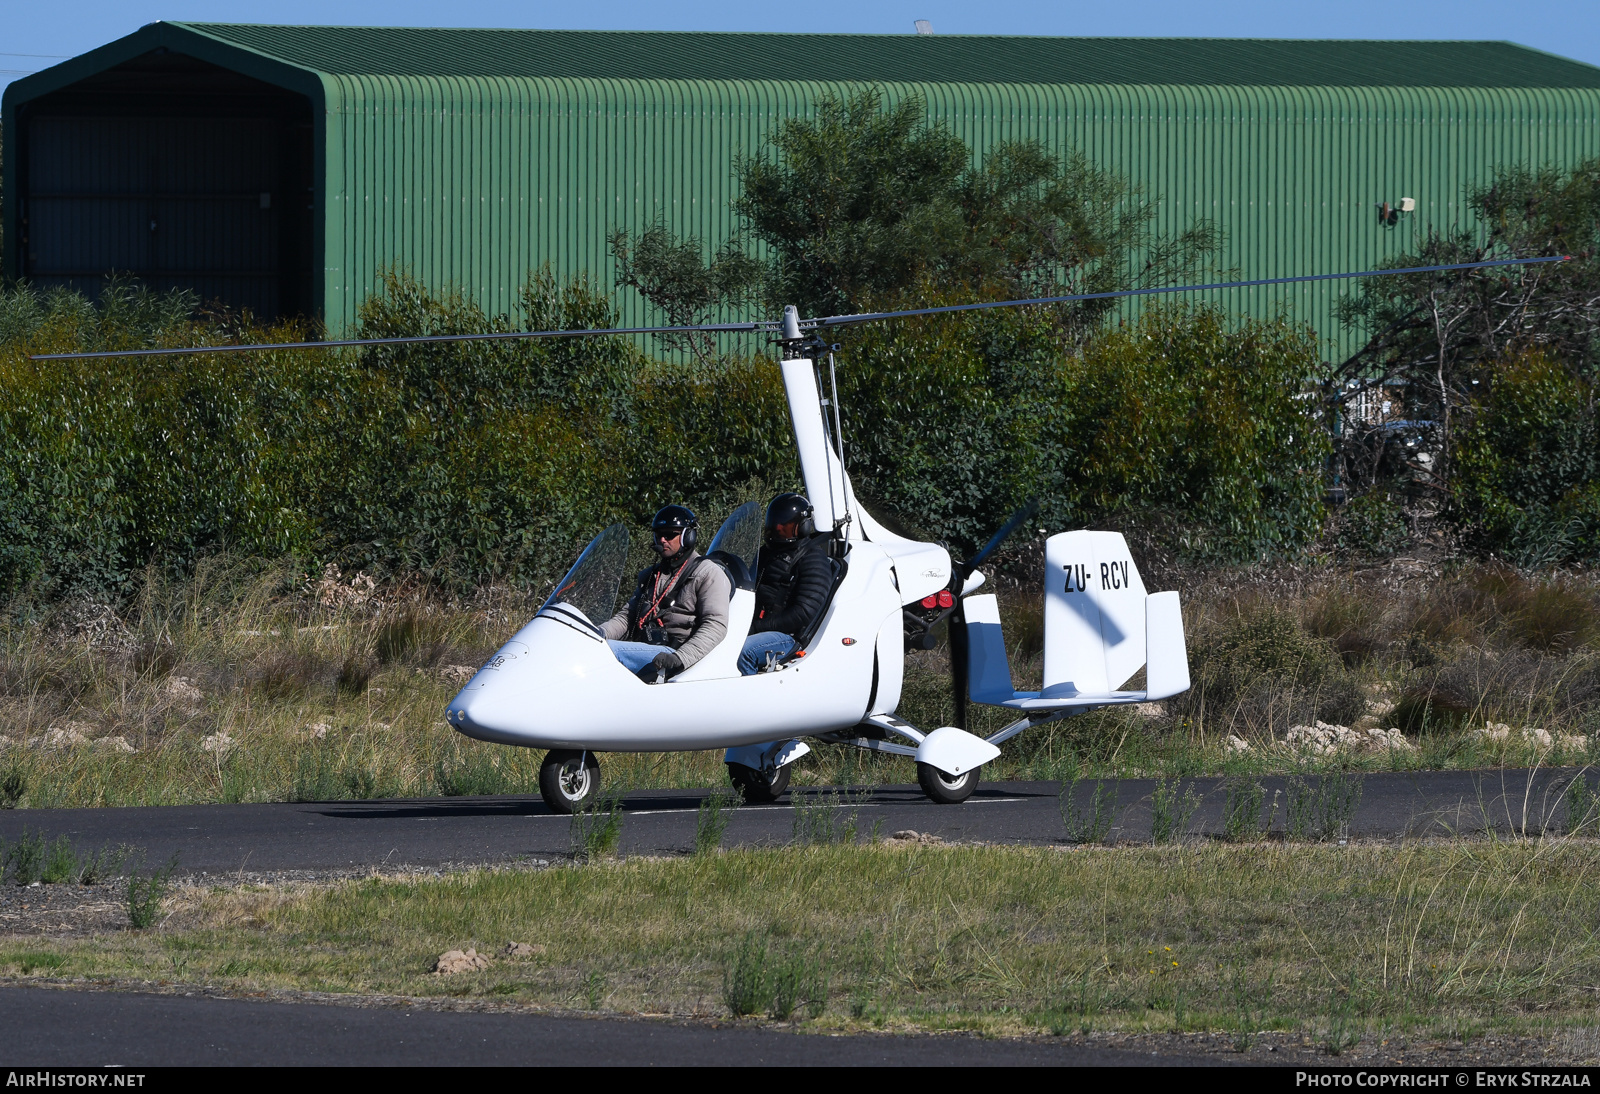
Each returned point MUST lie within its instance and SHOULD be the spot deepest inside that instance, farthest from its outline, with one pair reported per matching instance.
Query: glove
(665, 666)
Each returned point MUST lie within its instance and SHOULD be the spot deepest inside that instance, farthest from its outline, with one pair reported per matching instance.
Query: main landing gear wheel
(758, 786)
(568, 780)
(945, 789)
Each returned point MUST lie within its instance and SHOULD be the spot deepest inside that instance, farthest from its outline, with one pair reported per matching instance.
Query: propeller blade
(958, 662)
(959, 652)
(1012, 523)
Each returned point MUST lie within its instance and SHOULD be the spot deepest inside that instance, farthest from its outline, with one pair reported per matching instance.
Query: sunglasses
(668, 533)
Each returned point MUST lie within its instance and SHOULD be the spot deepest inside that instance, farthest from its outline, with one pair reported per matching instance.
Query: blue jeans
(636, 655)
(753, 658)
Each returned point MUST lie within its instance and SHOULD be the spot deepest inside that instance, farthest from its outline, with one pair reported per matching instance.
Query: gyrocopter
(557, 685)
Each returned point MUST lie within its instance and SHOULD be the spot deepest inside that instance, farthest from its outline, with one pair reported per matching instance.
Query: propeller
(958, 614)
(771, 327)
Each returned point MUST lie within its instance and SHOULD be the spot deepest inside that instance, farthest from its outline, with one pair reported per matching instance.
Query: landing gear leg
(945, 789)
(568, 780)
(759, 786)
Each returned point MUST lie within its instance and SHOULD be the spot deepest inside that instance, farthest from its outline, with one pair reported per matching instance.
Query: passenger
(793, 579)
(679, 611)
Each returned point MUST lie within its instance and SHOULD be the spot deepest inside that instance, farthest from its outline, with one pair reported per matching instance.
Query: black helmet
(789, 509)
(676, 518)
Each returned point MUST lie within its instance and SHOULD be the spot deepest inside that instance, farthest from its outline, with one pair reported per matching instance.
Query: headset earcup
(691, 536)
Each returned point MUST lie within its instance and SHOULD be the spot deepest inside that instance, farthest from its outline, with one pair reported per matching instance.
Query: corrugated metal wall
(475, 181)
(181, 203)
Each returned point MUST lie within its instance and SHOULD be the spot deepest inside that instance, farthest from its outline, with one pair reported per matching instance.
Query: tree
(868, 204)
(671, 274)
(1447, 338)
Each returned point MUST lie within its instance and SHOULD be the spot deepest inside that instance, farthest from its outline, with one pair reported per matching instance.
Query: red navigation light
(945, 599)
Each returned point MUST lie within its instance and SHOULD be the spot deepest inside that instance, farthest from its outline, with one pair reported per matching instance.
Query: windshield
(740, 534)
(591, 585)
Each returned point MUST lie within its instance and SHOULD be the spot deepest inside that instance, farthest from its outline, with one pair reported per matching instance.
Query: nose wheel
(568, 780)
(943, 789)
(759, 786)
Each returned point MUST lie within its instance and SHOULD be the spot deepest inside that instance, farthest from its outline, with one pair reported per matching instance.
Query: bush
(1372, 524)
(1348, 620)
(760, 978)
(1184, 414)
(597, 828)
(1433, 710)
(475, 463)
(1182, 417)
(468, 463)
(13, 786)
(1527, 475)
(1260, 672)
(1554, 614)
(146, 893)
(712, 818)
(1263, 641)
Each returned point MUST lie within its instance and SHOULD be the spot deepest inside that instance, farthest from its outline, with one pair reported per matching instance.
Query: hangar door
(172, 184)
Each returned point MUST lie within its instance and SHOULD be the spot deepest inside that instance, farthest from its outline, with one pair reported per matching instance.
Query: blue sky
(1567, 27)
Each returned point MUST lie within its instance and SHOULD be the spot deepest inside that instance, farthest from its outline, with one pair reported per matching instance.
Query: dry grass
(250, 685)
(1342, 943)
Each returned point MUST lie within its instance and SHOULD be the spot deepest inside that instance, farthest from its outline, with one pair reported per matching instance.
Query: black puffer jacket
(792, 585)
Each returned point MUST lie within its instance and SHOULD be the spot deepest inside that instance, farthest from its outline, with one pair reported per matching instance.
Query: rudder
(1094, 614)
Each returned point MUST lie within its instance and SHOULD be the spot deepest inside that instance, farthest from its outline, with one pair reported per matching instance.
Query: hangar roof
(904, 57)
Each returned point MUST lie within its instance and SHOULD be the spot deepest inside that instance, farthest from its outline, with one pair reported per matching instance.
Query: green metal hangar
(281, 168)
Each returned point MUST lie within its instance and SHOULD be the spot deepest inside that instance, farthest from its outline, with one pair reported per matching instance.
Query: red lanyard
(656, 603)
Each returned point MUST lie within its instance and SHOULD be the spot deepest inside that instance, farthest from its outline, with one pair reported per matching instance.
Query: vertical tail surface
(1094, 614)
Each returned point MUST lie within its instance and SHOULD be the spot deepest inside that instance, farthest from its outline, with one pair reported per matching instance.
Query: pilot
(793, 579)
(679, 611)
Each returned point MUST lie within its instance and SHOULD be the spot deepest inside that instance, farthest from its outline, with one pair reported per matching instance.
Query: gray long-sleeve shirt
(694, 614)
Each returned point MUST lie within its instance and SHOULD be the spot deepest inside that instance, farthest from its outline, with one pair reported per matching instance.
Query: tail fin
(1094, 614)
(1167, 672)
(1159, 640)
(988, 668)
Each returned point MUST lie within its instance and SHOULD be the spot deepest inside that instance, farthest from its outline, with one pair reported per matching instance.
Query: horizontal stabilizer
(989, 673)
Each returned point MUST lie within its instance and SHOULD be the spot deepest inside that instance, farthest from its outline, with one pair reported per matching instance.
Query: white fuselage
(557, 684)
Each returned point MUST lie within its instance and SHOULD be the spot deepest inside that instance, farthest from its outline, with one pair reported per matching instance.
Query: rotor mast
(820, 464)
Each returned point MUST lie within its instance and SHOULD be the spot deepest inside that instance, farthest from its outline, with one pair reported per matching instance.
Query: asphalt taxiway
(443, 832)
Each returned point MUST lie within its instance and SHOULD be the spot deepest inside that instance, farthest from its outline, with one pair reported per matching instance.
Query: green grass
(392, 742)
(335, 691)
(1339, 942)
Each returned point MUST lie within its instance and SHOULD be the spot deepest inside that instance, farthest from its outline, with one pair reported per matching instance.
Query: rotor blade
(1011, 525)
(406, 341)
(768, 326)
(867, 317)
